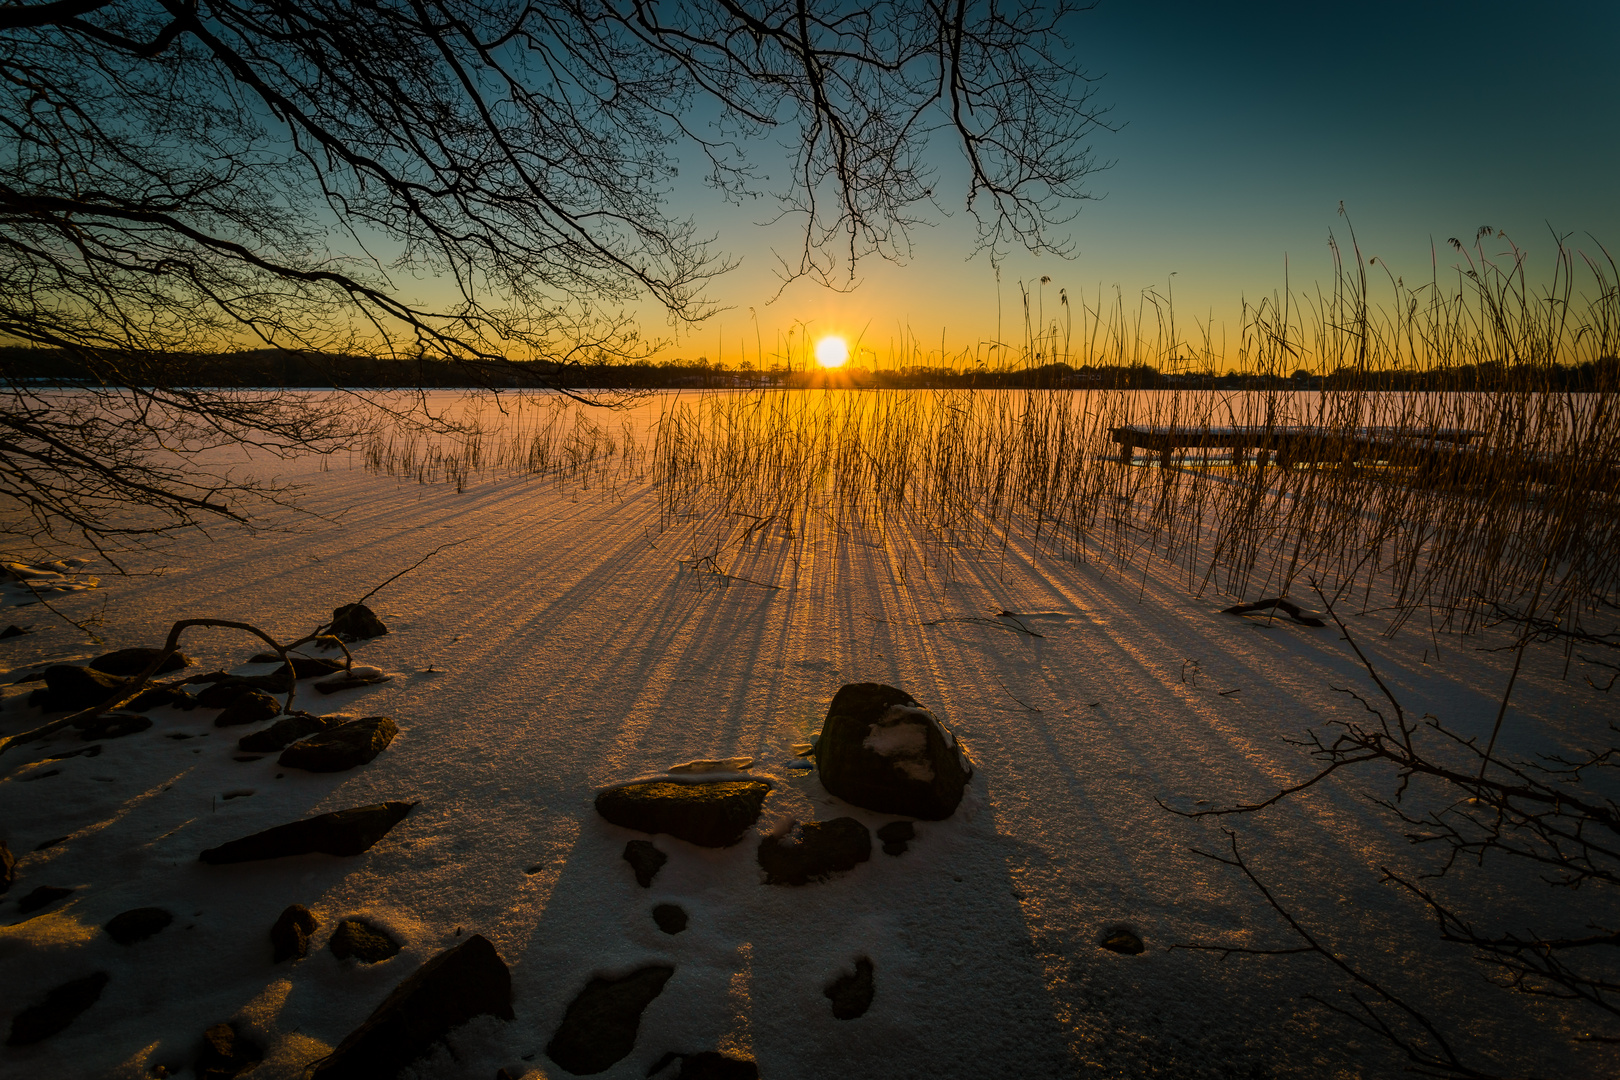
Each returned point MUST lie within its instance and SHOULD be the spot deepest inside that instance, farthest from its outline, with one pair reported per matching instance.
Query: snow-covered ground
(562, 644)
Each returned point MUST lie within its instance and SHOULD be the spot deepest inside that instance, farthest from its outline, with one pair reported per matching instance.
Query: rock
(356, 678)
(882, 751)
(1121, 939)
(670, 918)
(712, 814)
(283, 733)
(42, 896)
(69, 688)
(15, 631)
(112, 726)
(356, 622)
(814, 851)
(127, 663)
(252, 707)
(896, 835)
(600, 1025)
(59, 1008)
(367, 943)
(224, 692)
(460, 983)
(645, 860)
(343, 832)
(153, 696)
(343, 747)
(225, 1054)
(304, 667)
(703, 765)
(8, 868)
(289, 937)
(137, 924)
(712, 1065)
(851, 995)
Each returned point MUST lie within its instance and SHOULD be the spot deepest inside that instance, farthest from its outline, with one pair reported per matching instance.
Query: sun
(832, 352)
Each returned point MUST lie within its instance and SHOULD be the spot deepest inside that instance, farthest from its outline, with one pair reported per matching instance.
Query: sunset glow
(832, 352)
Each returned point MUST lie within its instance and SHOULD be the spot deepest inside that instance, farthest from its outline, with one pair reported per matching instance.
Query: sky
(1241, 129)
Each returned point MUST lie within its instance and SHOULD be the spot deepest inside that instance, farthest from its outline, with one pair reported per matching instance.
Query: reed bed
(1521, 524)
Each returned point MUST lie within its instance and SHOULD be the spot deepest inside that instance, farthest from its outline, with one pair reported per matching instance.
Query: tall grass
(1523, 524)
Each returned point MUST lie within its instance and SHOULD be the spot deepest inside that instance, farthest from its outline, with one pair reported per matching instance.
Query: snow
(561, 648)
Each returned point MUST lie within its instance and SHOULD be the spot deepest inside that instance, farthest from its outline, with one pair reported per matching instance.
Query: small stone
(343, 747)
(15, 631)
(57, 1010)
(127, 663)
(154, 696)
(69, 688)
(289, 937)
(670, 918)
(814, 851)
(600, 1025)
(460, 983)
(112, 726)
(896, 835)
(645, 859)
(40, 897)
(713, 814)
(137, 924)
(1121, 939)
(225, 1054)
(343, 832)
(367, 943)
(8, 863)
(356, 622)
(851, 995)
(252, 707)
(283, 733)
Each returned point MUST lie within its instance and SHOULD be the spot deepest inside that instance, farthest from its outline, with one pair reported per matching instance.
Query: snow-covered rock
(881, 750)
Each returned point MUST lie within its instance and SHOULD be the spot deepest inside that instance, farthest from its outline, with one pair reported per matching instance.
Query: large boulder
(444, 993)
(881, 750)
(343, 747)
(356, 622)
(128, 663)
(343, 832)
(814, 851)
(600, 1025)
(283, 733)
(708, 814)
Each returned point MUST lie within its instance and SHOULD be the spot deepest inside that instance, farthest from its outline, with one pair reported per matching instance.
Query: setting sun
(831, 352)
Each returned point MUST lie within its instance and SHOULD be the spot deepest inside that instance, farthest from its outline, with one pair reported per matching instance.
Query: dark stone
(127, 663)
(645, 860)
(896, 835)
(343, 832)
(366, 943)
(225, 1054)
(137, 924)
(714, 814)
(712, 1065)
(460, 983)
(304, 667)
(153, 696)
(882, 751)
(814, 851)
(225, 692)
(1121, 939)
(600, 1025)
(69, 688)
(113, 726)
(289, 937)
(356, 622)
(41, 896)
(283, 733)
(348, 682)
(851, 995)
(59, 1008)
(8, 864)
(253, 707)
(14, 631)
(343, 747)
(670, 918)
(91, 751)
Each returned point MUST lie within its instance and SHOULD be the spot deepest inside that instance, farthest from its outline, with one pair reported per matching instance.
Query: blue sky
(1243, 128)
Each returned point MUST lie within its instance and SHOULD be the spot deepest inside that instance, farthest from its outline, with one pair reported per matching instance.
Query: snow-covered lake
(566, 641)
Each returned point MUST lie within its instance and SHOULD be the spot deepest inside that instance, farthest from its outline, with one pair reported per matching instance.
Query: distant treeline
(267, 367)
